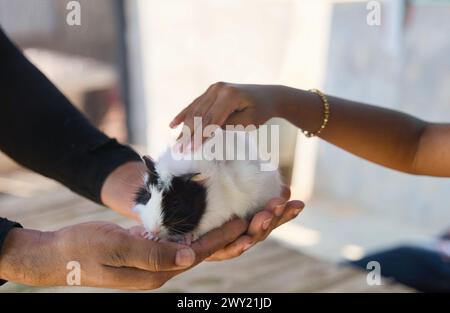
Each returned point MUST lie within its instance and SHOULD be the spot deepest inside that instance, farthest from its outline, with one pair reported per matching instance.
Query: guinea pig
(182, 198)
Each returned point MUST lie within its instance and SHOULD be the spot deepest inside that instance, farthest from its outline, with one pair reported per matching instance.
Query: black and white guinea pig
(183, 198)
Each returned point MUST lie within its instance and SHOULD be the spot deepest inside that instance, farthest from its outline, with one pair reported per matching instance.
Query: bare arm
(383, 136)
(386, 137)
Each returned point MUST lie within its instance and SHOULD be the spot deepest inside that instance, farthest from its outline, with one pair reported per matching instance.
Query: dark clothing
(420, 268)
(43, 131)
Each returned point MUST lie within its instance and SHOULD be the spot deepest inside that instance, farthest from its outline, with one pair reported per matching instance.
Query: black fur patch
(183, 205)
(143, 194)
(151, 171)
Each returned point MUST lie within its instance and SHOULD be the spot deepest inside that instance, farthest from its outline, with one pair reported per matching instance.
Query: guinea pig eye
(142, 196)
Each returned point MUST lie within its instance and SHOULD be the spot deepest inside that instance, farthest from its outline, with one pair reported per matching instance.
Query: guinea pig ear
(196, 177)
(149, 163)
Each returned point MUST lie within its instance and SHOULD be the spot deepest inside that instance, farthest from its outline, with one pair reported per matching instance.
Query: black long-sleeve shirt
(43, 131)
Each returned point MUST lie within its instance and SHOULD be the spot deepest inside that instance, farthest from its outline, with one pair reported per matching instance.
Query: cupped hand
(277, 212)
(109, 256)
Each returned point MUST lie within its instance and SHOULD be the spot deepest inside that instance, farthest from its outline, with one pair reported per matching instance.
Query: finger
(256, 232)
(220, 111)
(132, 278)
(151, 255)
(243, 118)
(218, 238)
(188, 123)
(185, 137)
(177, 120)
(203, 106)
(181, 117)
(198, 108)
(289, 210)
(292, 209)
(234, 249)
(264, 221)
(285, 192)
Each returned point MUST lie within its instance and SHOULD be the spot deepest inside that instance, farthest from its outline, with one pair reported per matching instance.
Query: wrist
(120, 187)
(28, 257)
(302, 108)
(288, 102)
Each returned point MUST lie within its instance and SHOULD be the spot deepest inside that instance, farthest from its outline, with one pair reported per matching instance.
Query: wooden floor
(39, 203)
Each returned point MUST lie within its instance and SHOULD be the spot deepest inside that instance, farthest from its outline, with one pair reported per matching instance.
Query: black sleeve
(5, 227)
(40, 129)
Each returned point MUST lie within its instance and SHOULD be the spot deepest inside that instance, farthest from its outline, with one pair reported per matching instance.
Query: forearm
(40, 129)
(380, 135)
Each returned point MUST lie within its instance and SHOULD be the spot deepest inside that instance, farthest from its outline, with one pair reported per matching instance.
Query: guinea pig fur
(183, 198)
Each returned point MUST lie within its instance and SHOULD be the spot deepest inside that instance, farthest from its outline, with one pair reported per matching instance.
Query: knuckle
(218, 85)
(226, 236)
(228, 91)
(154, 258)
(197, 111)
(117, 255)
(190, 115)
(208, 117)
(207, 252)
(236, 253)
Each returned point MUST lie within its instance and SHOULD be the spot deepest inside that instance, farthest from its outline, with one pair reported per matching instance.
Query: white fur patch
(151, 213)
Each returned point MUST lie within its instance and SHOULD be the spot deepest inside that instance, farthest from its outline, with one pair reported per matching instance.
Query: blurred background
(131, 65)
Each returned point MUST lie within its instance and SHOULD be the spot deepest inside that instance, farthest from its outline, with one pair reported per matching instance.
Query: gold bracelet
(326, 114)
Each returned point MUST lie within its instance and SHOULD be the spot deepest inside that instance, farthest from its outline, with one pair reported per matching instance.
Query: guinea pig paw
(149, 236)
(188, 239)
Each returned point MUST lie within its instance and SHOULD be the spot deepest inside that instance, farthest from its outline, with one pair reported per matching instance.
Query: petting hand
(276, 213)
(233, 104)
(109, 255)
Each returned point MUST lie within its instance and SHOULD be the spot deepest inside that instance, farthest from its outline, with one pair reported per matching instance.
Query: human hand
(109, 255)
(276, 213)
(233, 104)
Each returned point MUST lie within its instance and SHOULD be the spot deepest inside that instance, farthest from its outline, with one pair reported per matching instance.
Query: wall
(179, 47)
(415, 79)
(42, 23)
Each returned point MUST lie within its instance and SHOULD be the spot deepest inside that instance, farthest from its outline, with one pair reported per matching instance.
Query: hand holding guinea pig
(182, 199)
(119, 191)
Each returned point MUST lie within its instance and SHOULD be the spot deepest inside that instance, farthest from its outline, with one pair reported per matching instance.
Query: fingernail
(185, 257)
(248, 246)
(279, 210)
(266, 223)
(296, 212)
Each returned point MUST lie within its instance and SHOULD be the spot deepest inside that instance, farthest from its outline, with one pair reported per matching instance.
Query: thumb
(157, 256)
